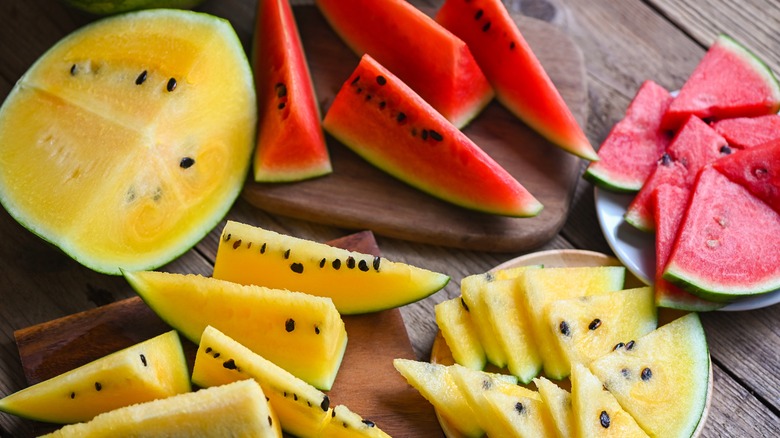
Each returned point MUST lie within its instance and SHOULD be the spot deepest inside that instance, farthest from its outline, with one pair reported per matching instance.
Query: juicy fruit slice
(381, 119)
(356, 282)
(558, 402)
(460, 333)
(727, 244)
(347, 424)
(541, 287)
(670, 203)
(149, 370)
(299, 332)
(502, 408)
(290, 142)
(663, 379)
(239, 407)
(472, 288)
(709, 92)
(746, 132)
(591, 326)
(108, 7)
(428, 58)
(596, 411)
(300, 407)
(520, 82)
(757, 169)
(174, 167)
(629, 154)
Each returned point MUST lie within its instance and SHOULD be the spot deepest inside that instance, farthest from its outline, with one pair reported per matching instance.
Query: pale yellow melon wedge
(558, 402)
(458, 330)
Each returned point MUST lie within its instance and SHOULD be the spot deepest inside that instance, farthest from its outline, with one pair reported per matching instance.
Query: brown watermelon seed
(186, 162)
(354, 81)
(363, 266)
(519, 408)
(596, 323)
(325, 405)
(351, 262)
(564, 328)
(647, 374)
(289, 325)
(630, 345)
(618, 345)
(73, 70)
(401, 117)
(72, 395)
(604, 419)
(377, 261)
(486, 27)
(236, 244)
(143, 359)
(463, 303)
(281, 89)
(297, 268)
(98, 386)
(381, 80)
(141, 78)
(171, 85)
(248, 245)
(336, 264)
(478, 15)
(230, 364)
(322, 262)
(227, 237)
(435, 135)
(287, 254)
(216, 355)
(262, 248)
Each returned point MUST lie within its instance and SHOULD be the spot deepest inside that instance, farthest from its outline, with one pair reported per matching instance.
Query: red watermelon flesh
(520, 82)
(436, 64)
(381, 119)
(746, 132)
(694, 146)
(727, 244)
(728, 82)
(669, 205)
(757, 169)
(630, 152)
(290, 143)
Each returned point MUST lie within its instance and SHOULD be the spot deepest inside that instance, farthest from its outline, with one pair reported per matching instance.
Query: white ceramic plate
(636, 249)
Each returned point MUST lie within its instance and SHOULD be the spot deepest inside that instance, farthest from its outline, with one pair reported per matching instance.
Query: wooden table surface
(623, 42)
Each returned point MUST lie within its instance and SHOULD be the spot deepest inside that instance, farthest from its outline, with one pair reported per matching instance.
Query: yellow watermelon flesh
(129, 139)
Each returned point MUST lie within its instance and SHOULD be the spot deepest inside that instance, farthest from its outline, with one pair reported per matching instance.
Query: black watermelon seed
(382, 105)
(289, 325)
(519, 408)
(281, 90)
(359, 90)
(325, 405)
(98, 386)
(249, 245)
(73, 70)
(357, 78)
(487, 384)
(630, 345)
(381, 80)
(216, 355)
(435, 135)
(625, 372)
(227, 237)
(369, 423)
(208, 350)
(424, 134)
(141, 78)
(236, 244)
(345, 424)
(262, 249)
(463, 303)
(604, 419)
(596, 323)
(186, 162)
(368, 97)
(351, 262)
(363, 265)
(230, 364)
(377, 261)
(512, 45)
(336, 264)
(489, 276)
(316, 330)
(401, 117)
(297, 268)
(143, 359)
(618, 345)
(564, 328)
(270, 421)
(72, 395)
(478, 15)
(171, 85)
(295, 396)
(322, 263)
(486, 27)
(281, 105)
(725, 149)
(647, 374)
(666, 159)
(287, 254)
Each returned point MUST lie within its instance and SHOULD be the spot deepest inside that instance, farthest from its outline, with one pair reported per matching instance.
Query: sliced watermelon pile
(712, 193)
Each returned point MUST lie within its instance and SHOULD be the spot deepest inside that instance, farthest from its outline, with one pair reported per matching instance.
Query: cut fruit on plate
(636, 249)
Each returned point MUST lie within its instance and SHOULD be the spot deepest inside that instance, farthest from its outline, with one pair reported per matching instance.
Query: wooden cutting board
(367, 382)
(359, 196)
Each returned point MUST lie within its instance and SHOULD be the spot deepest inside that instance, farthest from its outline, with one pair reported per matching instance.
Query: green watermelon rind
(714, 291)
(607, 180)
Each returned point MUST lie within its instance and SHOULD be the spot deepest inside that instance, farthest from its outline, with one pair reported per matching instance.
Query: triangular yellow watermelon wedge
(521, 83)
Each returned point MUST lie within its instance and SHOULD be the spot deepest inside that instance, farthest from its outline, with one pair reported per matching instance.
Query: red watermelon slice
(729, 81)
(432, 61)
(631, 150)
(520, 82)
(758, 170)
(727, 245)
(746, 132)
(290, 142)
(669, 205)
(381, 119)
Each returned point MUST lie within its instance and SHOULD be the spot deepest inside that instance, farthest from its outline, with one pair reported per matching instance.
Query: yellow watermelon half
(127, 141)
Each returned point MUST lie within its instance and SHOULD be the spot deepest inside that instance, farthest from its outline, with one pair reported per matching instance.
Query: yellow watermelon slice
(129, 140)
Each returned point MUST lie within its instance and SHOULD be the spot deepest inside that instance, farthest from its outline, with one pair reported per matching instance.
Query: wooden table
(623, 44)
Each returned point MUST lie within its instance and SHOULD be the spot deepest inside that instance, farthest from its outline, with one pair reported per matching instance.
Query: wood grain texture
(356, 193)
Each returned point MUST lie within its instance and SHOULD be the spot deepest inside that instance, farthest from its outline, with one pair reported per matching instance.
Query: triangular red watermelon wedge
(290, 142)
(381, 119)
(630, 152)
(727, 246)
(520, 82)
(746, 132)
(757, 169)
(729, 81)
